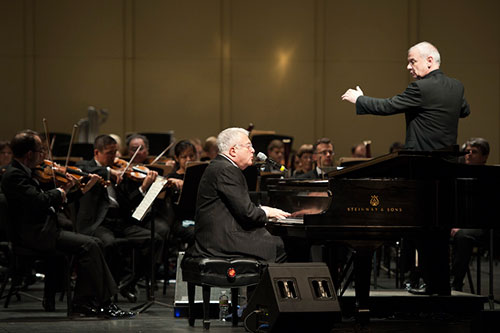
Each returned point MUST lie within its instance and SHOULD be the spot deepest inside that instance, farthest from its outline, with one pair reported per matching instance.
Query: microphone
(262, 157)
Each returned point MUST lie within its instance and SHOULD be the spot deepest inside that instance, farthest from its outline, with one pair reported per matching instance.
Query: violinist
(31, 217)
(106, 213)
(185, 151)
(138, 145)
(134, 141)
(5, 154)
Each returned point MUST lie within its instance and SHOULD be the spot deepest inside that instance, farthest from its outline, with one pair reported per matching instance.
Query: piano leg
(362, 275)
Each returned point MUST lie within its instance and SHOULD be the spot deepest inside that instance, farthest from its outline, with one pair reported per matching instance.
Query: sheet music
(148, 199)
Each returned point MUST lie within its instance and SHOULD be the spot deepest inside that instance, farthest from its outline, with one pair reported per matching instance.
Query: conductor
(432, 106)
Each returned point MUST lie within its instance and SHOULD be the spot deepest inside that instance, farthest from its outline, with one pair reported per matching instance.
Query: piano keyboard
(288, 220)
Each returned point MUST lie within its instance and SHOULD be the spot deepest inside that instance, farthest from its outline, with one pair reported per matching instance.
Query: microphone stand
(151, 297)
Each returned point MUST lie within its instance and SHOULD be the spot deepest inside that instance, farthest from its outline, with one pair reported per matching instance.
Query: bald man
(432, 104)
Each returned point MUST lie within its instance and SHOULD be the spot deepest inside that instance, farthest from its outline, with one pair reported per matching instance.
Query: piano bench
(218, 272)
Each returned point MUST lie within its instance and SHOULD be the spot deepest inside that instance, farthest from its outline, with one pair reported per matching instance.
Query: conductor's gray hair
(229, 138)
(427, 49)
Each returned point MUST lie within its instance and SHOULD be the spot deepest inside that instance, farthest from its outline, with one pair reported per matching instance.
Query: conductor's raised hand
(352, 95)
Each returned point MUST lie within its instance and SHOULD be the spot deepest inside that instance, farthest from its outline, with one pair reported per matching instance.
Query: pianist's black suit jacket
(29, 209)
(228, 224)
(432, 106)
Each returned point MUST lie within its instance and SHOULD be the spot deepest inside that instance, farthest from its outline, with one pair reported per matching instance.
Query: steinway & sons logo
(375, 207)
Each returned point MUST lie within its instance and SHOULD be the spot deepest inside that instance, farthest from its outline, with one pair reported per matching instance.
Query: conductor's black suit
(432, 107)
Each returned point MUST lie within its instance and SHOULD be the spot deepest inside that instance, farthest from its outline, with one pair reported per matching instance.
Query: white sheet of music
(148, 199)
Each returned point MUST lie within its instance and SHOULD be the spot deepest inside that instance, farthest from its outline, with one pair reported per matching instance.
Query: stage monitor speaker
(293, 297)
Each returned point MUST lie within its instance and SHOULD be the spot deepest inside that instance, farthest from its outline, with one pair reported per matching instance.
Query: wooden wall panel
(177, 78)
(11, 68)
(366, 44)
(272, 64)
(467, 34)
(199, 66)
(78, 62)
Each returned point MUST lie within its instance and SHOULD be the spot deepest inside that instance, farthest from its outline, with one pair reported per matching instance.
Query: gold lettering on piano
(386, 210)
(374, 201)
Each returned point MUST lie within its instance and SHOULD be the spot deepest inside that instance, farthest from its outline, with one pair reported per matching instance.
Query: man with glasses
(323, 159)
(33, 225)
(228, 224)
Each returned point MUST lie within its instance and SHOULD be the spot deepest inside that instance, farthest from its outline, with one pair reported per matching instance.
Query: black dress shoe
(112, 311)
(430, 291)
(85, 310)
(49, 304)
(130, 296)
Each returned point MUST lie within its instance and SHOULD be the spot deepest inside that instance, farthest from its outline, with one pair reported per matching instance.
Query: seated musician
(5, 154)
(184, 152)
(358, 150)
(276, 152)
(305, 160)
(228, 224)
(463, 240)
(198, 148)
(32, 217)
(159, 209)
(210, 149)
(396, 146)
(106, 213)
(322, 157)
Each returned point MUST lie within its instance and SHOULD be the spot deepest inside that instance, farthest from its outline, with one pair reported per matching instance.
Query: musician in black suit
(432, 106)
(33, 225)
(322, 157)
(228, 224)
(106, 213)
(464, 240)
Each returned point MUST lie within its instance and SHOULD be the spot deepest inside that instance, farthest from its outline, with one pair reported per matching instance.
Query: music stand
(186, 204)
(187, 199)
(151, 297)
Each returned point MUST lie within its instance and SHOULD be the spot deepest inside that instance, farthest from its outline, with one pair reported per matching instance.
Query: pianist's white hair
(230, 137)
(427, 49)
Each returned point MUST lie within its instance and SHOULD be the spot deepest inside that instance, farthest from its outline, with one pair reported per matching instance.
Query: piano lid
(417, 165)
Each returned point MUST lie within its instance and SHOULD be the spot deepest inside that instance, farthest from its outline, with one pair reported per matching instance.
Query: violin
(60, 174)
(46, 173)
(135, 172)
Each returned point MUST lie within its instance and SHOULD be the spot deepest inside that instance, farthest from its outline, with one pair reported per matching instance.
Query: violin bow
(49, 151)
(130, 161)
(163, 152)
(75, 126)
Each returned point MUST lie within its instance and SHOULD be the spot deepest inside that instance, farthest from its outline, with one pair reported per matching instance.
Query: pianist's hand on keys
(275, 213)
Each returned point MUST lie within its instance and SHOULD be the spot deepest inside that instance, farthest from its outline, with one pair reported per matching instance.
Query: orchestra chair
(478, 252)
(218, 272)
(20, 255)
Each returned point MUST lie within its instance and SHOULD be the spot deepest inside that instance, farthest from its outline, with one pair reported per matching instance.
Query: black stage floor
(397, 311)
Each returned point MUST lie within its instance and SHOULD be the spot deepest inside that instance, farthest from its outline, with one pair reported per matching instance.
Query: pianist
(228, 224)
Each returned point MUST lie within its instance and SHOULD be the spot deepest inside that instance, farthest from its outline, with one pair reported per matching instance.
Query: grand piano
(395, 195)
